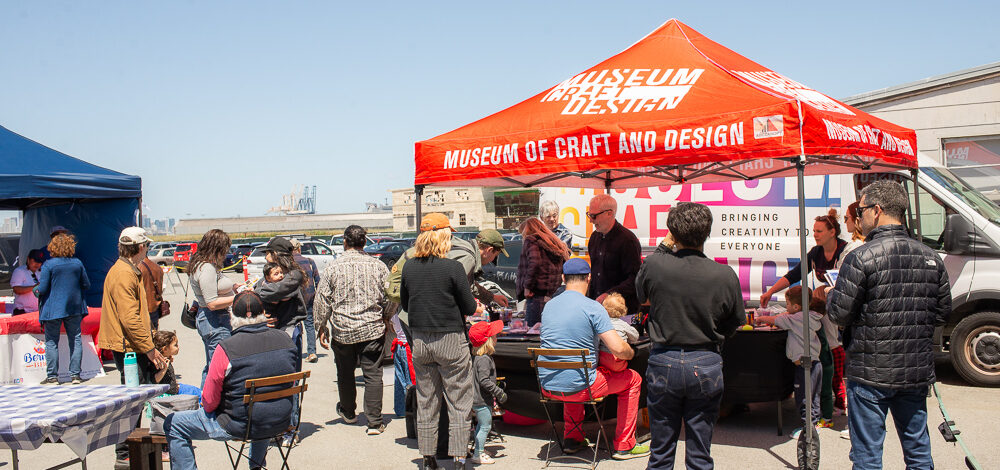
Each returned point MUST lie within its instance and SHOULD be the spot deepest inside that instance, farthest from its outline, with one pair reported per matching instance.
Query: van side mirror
(963, 238)
(957, 231)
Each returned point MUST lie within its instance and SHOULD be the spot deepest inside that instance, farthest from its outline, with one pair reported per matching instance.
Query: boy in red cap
(483, 336)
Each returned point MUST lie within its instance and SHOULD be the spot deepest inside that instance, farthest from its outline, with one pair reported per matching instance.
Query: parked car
(161, 256)
(503, 271)
(511, 236)
(337, 243)
(161, 245)
(183, 252)
(470, 236)
(408, 241)
(8, 259)
(315, 250)
(387, 252)
(235, 256)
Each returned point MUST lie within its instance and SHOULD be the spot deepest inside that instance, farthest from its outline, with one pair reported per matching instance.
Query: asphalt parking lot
(745, 440)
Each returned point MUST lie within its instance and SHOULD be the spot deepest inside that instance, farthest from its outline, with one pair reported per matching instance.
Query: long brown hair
(852, 212)
(212, 249)
(546, 238)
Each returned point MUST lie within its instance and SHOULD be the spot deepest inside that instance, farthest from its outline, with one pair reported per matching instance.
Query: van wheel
(975, 349)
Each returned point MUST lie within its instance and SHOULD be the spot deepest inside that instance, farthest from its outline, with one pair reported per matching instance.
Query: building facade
(465, 207)
(956, 117)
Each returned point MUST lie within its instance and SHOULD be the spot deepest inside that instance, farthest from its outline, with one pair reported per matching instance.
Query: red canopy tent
(675, 107)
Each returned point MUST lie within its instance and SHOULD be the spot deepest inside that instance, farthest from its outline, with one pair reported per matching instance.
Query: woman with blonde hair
(61, 284)
(436, 295)
(539, 271)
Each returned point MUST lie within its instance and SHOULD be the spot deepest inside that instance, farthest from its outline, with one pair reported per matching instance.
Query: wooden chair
(297, 386)
(568, 359)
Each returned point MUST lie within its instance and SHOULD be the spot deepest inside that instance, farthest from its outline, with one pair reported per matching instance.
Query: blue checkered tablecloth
(84, 417)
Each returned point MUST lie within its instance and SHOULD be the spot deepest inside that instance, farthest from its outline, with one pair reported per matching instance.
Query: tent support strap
(916, 203)
(418, 192)
(800, 169)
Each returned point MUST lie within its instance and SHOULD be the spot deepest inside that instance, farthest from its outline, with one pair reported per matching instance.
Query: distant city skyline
(221, 109)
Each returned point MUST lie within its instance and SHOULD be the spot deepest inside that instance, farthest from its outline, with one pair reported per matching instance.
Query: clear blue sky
(221, 107)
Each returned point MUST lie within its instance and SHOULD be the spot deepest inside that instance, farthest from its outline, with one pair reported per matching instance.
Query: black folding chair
(564, 359)
(297, 386)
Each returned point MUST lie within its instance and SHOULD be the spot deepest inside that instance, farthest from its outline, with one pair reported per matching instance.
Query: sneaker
(77, 380)
(165, 457)
(482, 459)
(289, 439)
(312, 358)
(376, 430)
(845, 434)
(824, 423)
(573, 446)
(640, 450)
(50, 381)
(122, 464)
(430, 463)
(839, 411)
(348, 418)
(795, 434)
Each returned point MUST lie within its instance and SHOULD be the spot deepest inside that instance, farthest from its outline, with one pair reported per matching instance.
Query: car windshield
(963, 191)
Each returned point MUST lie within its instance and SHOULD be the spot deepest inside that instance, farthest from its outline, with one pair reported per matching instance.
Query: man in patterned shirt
(351, 295)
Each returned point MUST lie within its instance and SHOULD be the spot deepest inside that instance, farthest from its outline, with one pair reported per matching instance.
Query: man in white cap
(125, 322)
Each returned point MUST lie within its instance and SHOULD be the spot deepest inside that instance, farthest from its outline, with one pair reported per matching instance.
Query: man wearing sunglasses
(890, 295)
(615, 254)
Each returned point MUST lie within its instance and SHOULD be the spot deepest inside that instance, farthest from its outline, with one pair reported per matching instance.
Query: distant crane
(302, 200)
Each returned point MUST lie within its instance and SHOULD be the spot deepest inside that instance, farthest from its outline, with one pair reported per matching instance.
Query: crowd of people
(425, 303)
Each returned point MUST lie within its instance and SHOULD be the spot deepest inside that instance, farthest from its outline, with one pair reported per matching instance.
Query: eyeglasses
(593, 215)
(861, 209)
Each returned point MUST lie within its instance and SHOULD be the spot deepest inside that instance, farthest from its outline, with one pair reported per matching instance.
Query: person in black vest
(254, 351)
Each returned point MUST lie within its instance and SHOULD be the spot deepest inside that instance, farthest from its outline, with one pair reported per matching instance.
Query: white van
(755, 231)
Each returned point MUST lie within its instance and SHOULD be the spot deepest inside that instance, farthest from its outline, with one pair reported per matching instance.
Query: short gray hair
(604, 202)
(548, 207)
(236, 321)
(889, 195)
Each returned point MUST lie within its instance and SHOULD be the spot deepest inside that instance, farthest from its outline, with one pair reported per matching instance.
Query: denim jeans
(402, 370)
(867, 407)
(533, 309)
(74, 339)
(683, 387)
(484, 421)
(213, 326)
(183, 427)
(310, 333)
(816, 378)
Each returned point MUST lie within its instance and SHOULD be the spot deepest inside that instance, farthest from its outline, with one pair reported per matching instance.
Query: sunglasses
(593, 215)
(862, 209)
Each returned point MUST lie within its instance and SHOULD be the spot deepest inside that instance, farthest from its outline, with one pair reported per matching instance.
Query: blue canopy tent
(52, 188)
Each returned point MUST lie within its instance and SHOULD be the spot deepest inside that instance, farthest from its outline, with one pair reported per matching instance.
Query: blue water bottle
(131, 371)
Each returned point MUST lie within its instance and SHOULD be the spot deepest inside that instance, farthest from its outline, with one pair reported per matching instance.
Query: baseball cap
(435, 221)
(134, 236)
(37, 255)
(576, 266)
(482, 331)
(279, 245)
(57, 229)
(493, 238)
(247, 304)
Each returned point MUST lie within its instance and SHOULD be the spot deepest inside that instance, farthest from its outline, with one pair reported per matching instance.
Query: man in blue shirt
(573, 321)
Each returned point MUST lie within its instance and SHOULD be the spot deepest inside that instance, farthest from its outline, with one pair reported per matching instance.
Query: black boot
(430, 463)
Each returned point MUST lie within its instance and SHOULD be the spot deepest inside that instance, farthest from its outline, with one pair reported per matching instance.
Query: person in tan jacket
(125, 315)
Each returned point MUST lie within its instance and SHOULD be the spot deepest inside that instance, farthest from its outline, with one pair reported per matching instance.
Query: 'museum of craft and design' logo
(617, 91)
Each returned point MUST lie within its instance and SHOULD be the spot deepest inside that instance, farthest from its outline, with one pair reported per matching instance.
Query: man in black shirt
(695, 303)
(615, 254)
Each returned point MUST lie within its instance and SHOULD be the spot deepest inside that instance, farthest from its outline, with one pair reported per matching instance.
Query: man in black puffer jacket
(892, 293)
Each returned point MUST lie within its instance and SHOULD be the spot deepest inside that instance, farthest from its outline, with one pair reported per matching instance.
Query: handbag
(189, 314)
(163, 406)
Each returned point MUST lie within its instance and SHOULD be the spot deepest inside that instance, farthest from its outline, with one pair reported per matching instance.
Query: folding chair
(256, 396)
(569, 359)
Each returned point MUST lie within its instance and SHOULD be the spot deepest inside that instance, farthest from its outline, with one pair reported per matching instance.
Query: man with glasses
(890, 295)
(615, 253)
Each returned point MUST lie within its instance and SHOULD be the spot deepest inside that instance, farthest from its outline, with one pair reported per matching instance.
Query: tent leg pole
(418, 191)
(916, 204)
(804, 264)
